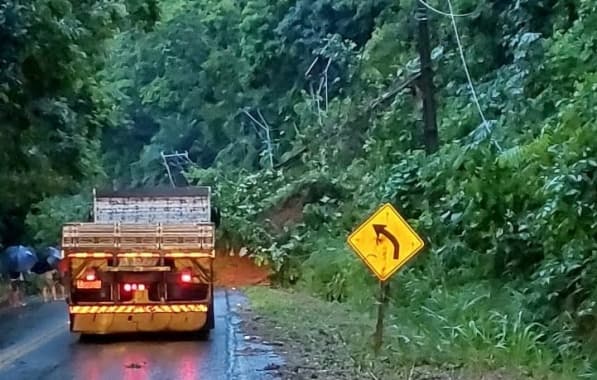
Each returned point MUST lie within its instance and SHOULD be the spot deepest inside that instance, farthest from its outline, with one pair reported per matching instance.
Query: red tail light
(130, 287)
(89, 281)
(186, 277)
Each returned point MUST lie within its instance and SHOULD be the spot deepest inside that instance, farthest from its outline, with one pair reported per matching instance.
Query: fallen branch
(391, 93)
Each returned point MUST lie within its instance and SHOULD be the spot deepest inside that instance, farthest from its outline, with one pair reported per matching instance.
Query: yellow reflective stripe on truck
(100, 255)
(138, 254)
(181, 255)
(85, 255)
(78, 309)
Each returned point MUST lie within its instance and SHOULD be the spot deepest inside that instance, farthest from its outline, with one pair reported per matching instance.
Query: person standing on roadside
(16, 298)
(51, 282)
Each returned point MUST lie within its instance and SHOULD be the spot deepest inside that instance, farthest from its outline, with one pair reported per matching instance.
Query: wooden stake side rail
(138, 237)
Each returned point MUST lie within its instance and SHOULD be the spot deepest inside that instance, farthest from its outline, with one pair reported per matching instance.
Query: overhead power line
(468, 75)
(432, 8)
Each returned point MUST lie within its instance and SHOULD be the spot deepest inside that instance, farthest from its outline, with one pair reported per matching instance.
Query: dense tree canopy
(305, 115)
(52, 107)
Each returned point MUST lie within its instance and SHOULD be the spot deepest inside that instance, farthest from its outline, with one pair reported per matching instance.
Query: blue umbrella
(19, 258)
(41, 267)
(52, 256)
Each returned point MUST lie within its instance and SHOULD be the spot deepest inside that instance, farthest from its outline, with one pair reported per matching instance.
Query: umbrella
(41, 267)
(19, 258)
(52, 256)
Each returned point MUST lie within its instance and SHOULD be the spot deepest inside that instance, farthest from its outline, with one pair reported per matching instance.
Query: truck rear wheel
(203, 334)
(211, 320)
(87, 338)
(209, 323)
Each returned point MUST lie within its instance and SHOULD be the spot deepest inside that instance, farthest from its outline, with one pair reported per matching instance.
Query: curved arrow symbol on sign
(380, 229)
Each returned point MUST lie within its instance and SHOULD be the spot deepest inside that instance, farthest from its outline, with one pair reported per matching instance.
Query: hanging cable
(433, 9)
(468, 76)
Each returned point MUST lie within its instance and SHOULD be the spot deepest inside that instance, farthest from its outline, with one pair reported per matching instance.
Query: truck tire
(210, 322)
(87, 338)
(205, 331)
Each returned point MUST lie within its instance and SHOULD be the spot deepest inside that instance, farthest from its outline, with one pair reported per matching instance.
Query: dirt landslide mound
(238, 271)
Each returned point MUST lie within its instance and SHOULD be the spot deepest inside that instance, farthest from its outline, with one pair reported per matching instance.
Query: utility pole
(430, 134)
(168, 169)
(180, 159)
(268, 139)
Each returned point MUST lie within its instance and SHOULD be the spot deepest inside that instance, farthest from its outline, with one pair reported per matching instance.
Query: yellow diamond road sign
(385, 242)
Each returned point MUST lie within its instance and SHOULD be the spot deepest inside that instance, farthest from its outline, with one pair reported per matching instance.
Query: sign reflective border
(385, 242)
(134, 309)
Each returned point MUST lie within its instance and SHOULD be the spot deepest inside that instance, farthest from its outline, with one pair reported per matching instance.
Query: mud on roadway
(238, 271)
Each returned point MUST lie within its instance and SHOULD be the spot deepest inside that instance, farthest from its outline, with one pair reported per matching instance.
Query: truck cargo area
(145, 263)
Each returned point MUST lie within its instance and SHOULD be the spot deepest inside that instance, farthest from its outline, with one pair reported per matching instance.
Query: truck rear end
(144, 264)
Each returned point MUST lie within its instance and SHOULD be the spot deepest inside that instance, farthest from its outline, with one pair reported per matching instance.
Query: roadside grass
(318, 337)
(463, 334)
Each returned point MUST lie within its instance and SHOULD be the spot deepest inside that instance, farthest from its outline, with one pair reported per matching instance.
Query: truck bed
(150, 206)
(109, 237)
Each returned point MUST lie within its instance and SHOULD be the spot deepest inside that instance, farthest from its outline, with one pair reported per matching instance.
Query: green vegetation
(52, 107)
(303, 116)
(422, 346)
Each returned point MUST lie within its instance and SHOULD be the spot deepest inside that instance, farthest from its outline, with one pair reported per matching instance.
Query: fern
(515, 157)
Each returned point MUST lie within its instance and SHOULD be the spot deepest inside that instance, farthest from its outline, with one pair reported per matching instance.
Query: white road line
(12, 353)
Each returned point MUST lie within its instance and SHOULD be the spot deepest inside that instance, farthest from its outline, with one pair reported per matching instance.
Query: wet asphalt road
(35, 344)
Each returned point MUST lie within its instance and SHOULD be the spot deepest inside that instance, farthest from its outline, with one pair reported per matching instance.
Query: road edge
(251, 358)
